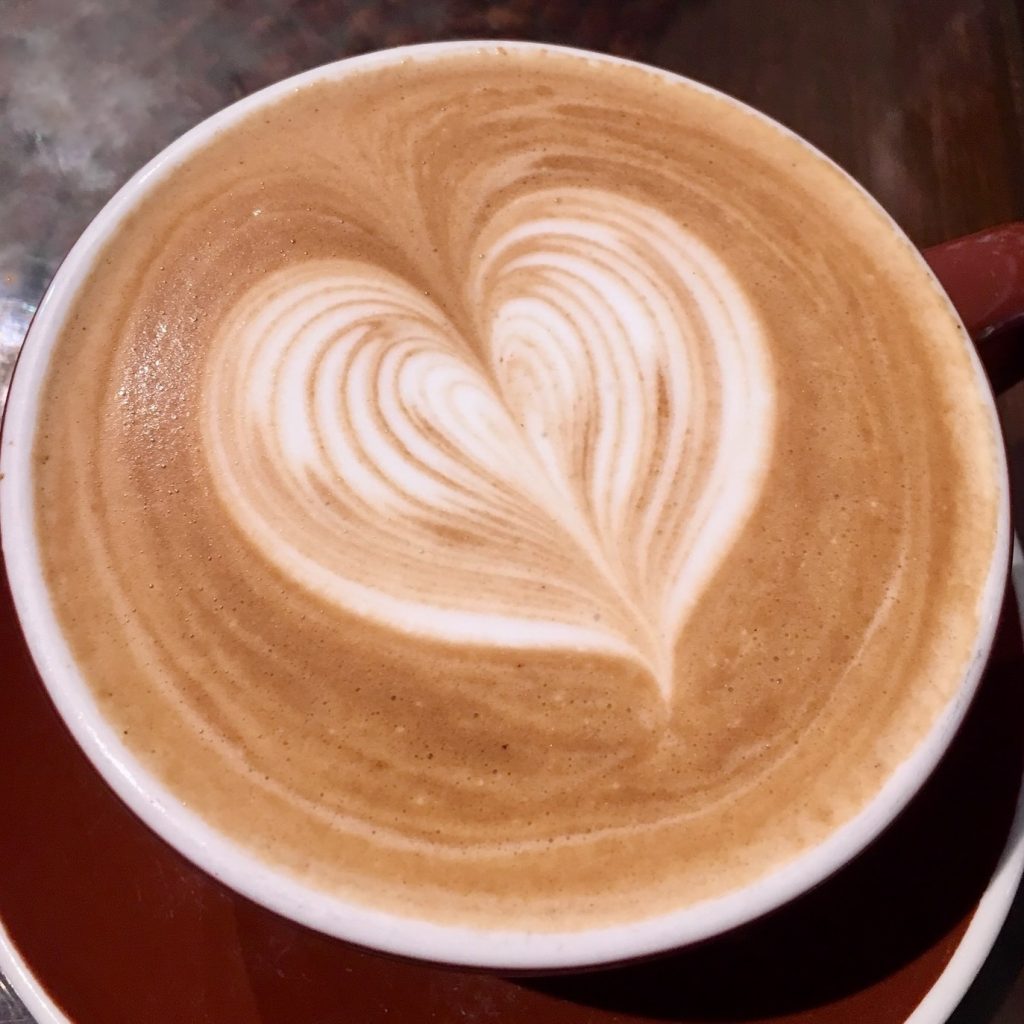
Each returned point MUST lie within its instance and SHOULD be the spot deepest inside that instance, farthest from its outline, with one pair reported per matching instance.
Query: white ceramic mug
(236, 867)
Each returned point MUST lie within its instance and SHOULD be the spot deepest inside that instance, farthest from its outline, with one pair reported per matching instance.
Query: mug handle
(983, 274)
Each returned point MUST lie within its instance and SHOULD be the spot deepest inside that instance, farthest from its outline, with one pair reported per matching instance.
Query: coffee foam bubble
(570, 474)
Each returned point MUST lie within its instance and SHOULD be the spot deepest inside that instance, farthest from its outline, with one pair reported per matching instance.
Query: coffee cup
(506, 505)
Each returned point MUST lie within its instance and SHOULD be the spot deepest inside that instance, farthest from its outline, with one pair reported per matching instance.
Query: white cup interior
(235, 866)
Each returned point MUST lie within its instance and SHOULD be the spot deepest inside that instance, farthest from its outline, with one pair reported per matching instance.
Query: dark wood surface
(921, 100)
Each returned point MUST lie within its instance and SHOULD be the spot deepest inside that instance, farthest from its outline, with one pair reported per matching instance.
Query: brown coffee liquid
(515, 489)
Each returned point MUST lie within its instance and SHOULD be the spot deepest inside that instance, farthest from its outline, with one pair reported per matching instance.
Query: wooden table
(921, 100)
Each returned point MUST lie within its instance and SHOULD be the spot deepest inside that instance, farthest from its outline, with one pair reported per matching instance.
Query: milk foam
(545, 503)
(571, 475)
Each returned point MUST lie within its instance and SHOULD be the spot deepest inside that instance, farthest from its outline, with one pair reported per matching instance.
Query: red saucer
(119, 929)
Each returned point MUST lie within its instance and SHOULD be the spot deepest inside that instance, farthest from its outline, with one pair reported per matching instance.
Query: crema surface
(516, 489)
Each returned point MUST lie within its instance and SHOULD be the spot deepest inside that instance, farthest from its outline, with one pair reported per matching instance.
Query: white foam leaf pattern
(569, 473)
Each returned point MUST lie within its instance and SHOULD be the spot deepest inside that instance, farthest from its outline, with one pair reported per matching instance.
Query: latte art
(569, 475)
(515, 490)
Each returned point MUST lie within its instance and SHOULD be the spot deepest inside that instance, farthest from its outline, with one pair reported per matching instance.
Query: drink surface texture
(517, 490)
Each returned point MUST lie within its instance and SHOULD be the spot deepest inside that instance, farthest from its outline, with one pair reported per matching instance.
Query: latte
(512, 489)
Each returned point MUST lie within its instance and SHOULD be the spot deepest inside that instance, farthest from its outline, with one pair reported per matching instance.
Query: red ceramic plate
(103, 923)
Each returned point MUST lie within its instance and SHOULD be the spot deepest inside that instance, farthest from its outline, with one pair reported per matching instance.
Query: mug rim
(231, 863)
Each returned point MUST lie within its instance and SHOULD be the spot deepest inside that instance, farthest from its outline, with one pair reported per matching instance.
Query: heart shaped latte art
(566, 471)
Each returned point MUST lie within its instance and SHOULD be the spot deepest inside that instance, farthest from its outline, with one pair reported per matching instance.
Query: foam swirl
(568, 472)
